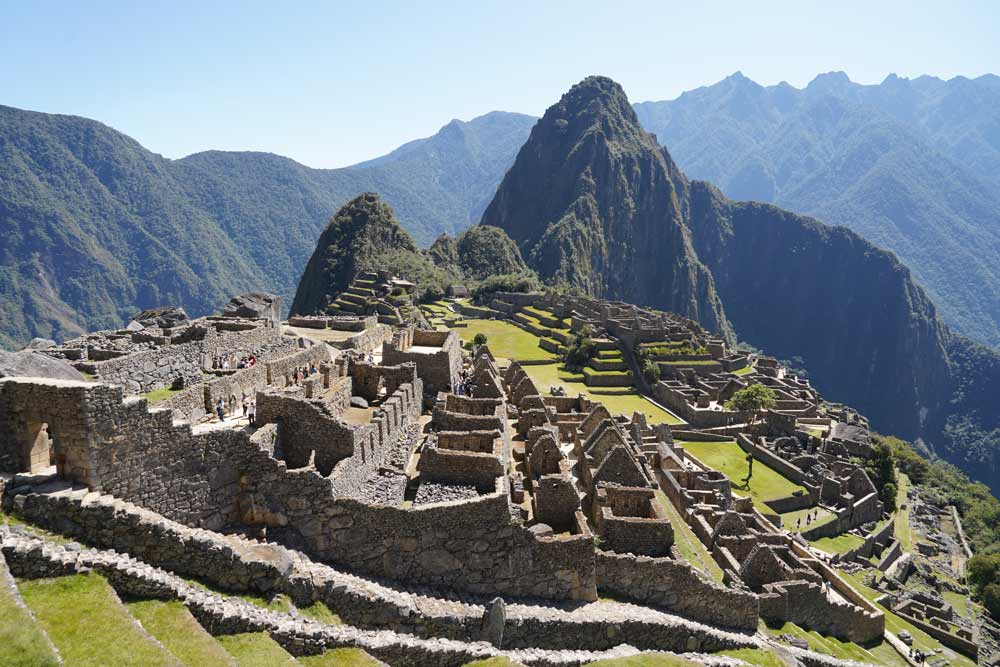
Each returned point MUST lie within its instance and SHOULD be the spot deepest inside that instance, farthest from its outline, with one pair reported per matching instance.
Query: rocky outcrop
(29, 363)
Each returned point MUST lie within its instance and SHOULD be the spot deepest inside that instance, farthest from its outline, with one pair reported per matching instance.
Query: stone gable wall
(676, 587)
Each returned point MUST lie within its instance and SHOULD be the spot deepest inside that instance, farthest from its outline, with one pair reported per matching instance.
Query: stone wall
(166, 366)
(806, 604)
(439, 370)
(677, 587)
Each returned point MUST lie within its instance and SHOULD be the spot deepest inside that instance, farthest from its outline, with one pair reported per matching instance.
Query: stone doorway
(38, 449)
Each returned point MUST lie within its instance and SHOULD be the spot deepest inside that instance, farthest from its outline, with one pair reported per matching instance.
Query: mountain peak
(830, 82)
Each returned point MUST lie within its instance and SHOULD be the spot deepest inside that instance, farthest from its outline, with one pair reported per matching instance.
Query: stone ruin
(370, 484)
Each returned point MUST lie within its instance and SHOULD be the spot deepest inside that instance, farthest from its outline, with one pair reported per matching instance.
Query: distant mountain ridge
(95, 227)
(912, 165)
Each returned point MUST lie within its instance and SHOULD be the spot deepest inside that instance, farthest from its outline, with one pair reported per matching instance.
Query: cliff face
(595, 204)
(795, 287)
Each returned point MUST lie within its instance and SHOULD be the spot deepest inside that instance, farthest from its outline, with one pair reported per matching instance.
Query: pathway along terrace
(371, 468)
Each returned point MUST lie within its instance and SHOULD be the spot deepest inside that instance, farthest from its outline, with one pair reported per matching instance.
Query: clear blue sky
(338, 82)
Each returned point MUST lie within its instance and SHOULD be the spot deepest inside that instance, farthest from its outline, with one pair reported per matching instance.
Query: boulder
(254, 306)
(41, 344)
(358, 402)
(494, 620)
(30, 363)
(166, 317)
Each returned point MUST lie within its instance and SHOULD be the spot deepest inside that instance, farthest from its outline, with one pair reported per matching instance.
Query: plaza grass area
(691, 548)
(506, 341)
(729, 458)
(895, 624)
(89, 625)
(174, 627)
(646, 660)
(788, 519)
(256, 649)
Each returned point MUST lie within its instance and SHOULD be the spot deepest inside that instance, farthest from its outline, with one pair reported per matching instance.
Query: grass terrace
(88, 624)
(687, 543)
(506, 340)
(788, 519)
(174, 627)
(879, 654)
(256, 649)
(160, 394)
(746, 370)
(730, 459)
(22, 642)
(902, 530)
(339, 657)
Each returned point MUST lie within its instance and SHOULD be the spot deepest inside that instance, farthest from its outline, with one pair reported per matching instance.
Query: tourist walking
(220, 410)
(252, 412)
(246, 404)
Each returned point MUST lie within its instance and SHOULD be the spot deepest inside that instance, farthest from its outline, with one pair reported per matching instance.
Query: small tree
(479, 339)
(580, 349)
(651, 371)
(754, 399)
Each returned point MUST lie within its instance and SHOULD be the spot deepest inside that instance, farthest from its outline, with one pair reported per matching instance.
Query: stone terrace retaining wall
(675, 586)
(32, 558)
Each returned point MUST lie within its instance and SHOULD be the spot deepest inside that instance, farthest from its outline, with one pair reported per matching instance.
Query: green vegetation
(256, 649)
(22, 642)
(160, 394)
(880, 654)
(984, 577)
(746, 370)
(902, 529)
(479, 339)
(580, 349)
(318, 611)
(754, 399)
(511, 282)
(87, 623)
(493, 662)
(729, 458)
(881, 468)
(174, 627)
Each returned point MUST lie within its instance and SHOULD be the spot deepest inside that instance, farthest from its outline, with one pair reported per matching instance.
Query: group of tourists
(464, 385)
(249, 404)
(302, 372)
(810, 517)
(227, 362)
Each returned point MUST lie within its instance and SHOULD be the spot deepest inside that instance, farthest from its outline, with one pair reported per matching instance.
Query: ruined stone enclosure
(365, 480)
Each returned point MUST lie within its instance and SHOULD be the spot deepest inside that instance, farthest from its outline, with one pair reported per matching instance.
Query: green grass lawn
(959, 602)
(691, 548)
(746, 370)
(822, 515)
(22, 641)
(493, 662)
(838, 544)
(895, 624)
(339, 657)
(88, 624)
(174, 626)
(160, 394)
(729, 458)
(755, 656)
(256, 649)
(506, 340)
